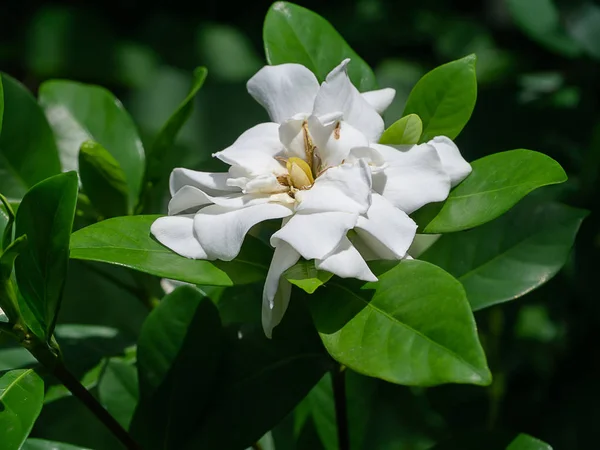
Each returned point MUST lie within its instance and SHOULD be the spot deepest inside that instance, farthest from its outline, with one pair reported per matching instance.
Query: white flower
(316, 166)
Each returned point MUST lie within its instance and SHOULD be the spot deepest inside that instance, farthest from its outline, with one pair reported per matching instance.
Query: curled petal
(221, 230)
(315, 235)
(345, 188)
(412, 178)
(211, 183)
(452, 161)
(380, 99)
(338, 93)
(346, 262)
(386, 230)
(177, 233)
(276, 293)
(189, 197)
(292, 136)
(284, 90)
(335, 140)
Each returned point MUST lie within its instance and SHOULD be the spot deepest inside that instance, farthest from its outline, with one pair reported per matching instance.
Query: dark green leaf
(293, 34)
(89, 381)
(41, 444)
(496, 184)
(21, 397)
(15, 358)
(28, 153)
(261, 380)
(444, 98)
(507, 258)
(80, 112)
(584, 26)
(306, 276)
(118, 390)
(179, 351)
(46, 217)
(1, 104)
(540, 19)
(7, 258)
(405, 131)
(526, 442)
(319, 405)
(165, 139)
(127, 241)
(7, 218)
(103, 180)
(417, 329)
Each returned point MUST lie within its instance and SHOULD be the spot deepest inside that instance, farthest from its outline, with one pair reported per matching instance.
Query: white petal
(277, 291)
(412, 178)
(452, 161)
(292, 137)
(334, 141)
(338, 93)
(189, 197)
(345, 188)
(255, 150)
(315, 235)
(284, 90)
(346, 262)
(177, 233)
(212, 183)
(386, 229)
(380, 99)
(221, 230)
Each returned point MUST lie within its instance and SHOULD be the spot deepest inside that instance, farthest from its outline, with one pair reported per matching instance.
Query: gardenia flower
(318, 167)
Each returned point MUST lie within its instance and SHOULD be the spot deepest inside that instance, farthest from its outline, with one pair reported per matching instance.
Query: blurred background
(539, 88)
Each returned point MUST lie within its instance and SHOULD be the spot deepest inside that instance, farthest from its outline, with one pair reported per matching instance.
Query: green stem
(338, 379)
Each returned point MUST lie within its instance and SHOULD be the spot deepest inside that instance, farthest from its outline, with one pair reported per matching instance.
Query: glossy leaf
(41, 444)
(293, 34)
(511, 256)
(540, 20)
(417, 329)
(7, 219)
(126, 241)
(163, 143)
(405, 131)
(103, 180)
(526, 442)
(444, 98)
(118, 390)
(26, 158)
(15, 358)
(80, 112)
(179, 351)
(46, 216)
(306, 276)
(21, 397)
(496, 184)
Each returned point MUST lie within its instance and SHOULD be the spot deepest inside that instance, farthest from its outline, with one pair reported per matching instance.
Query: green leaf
(21, 397)
(41, 444)
(163, 143)
(7, 218)
(28, 153)
(126, 241)
(179, 351)
(81, 112)
(293, 34)
(496, 184)
(89, 381)
(540, 19)
(405, 131)
(444, 98)
(118, 390)
(46, 216)
(103, 180)
(526, 442)
(261, 379)
(584, 27)
(417, 329)
(319, 405)
(7, 258)
(511, 256)
(1, 104)
(306, 276)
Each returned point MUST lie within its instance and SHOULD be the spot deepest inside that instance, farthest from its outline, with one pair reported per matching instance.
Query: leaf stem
(77, 389)
(338, 379)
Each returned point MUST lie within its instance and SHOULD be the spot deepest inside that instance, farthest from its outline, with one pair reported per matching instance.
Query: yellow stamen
(309, 147)
(300, 173)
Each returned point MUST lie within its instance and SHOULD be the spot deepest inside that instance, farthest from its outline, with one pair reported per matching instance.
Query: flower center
(300, 175)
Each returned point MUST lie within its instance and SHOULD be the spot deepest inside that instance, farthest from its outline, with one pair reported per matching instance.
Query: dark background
(533, 93)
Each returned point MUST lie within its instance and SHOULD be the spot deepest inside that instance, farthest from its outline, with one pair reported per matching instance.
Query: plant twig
(338, 379)
(76, 388)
